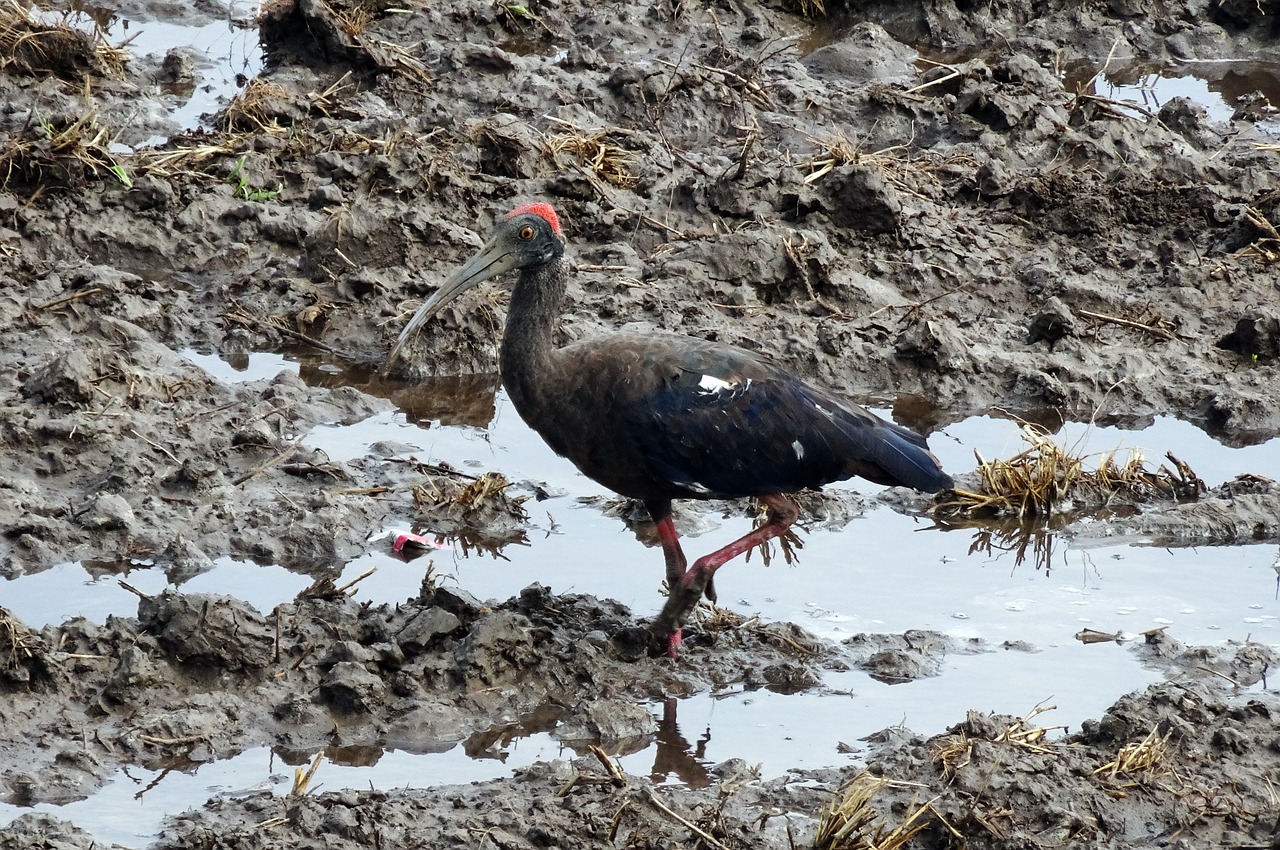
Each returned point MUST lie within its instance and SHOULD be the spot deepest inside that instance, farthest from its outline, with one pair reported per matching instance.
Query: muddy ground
(964, 234)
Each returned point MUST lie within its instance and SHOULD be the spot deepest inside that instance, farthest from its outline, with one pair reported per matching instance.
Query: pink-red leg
(671, 551)
(677, 566)
(689, 588)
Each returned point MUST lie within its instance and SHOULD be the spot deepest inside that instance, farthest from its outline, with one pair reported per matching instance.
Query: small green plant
(513, 9)
(240, 180)
(122, 175)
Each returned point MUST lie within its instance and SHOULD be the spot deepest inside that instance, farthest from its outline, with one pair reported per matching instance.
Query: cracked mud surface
(882, 225)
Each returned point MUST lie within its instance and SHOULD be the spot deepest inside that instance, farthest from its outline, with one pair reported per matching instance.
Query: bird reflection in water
(674, 755)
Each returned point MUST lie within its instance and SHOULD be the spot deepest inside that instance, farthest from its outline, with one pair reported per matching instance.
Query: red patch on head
(543, 211)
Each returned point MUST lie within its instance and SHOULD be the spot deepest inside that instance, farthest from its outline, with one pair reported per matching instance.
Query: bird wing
(717, 421)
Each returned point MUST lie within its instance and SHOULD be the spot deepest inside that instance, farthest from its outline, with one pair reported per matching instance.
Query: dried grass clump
(197, 160)
(252, 110)
(952, 752)
(30, 46)
(812, 8)
(1046, 479)
(849, 823)
(17, 644)
(463, 495)
(60, 152)
(1266, 248)
(355, 20)
(1146, 758)
(596, 152)
(839, 150)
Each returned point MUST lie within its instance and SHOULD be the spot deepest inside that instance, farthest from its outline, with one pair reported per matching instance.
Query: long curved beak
(490, 261)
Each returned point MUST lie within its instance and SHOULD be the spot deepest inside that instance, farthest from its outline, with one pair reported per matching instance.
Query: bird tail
(905, 456)
(887, 453)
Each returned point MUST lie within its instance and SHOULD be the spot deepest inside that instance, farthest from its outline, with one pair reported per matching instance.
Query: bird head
(528, 236)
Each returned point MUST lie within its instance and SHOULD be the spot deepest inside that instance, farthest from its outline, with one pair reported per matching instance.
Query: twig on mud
(1258, 220)
(323, 100)
(616, 821)
(848, 821)
(753, 133)
(1153, 329)
(609, 161)
(618, 777)
(173, 742)
(65, 299)
(345, 258)
(588, 267)
(839, 150)
(203, 414)
(1216, 673)
(446, 469)
(364, 575)
(247, 319)
(154, 445)
(310, 340)
(302, 778)
(306, 653)
(915, 306)
(692, 827)
(796, 255)
(264, 467)
(135, 590)
(955, 72)
(1141, 757)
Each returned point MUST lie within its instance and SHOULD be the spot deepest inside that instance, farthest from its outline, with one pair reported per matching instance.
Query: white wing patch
(798, 449)
(712, 384)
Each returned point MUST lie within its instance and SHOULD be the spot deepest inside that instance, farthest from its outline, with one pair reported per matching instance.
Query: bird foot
(637, 642)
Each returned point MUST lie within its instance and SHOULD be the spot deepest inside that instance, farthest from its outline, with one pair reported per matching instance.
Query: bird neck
(527, 343)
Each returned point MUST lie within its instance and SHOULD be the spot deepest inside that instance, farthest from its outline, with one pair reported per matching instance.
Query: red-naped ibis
(661, 417)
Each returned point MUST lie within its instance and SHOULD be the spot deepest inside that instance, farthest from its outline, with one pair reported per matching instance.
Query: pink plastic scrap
(417, 541)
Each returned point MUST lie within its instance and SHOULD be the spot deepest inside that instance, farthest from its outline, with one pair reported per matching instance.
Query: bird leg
(685, 592)
(677, 565)
(671, 551)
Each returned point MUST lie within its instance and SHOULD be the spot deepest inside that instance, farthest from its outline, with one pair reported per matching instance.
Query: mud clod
(1256, 337)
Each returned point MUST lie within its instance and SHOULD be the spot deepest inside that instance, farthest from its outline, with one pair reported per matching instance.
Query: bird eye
(526, 233)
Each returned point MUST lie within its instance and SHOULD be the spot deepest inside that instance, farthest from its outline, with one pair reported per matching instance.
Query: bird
(661, 417)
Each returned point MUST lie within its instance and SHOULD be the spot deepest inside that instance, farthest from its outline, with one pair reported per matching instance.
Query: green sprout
(243, 189)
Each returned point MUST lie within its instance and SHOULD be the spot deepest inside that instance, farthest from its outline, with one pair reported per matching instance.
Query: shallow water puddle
(776, 732)
(224, 52)
(1221, 87)
(883, 572)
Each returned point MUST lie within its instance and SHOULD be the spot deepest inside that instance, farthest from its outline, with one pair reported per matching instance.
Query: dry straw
(594, 149)
(848, 822)
(29, 45)
(1046, 479)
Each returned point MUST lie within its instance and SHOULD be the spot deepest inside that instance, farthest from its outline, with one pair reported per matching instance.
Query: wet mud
(901, 202)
